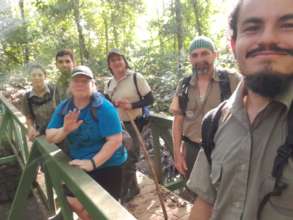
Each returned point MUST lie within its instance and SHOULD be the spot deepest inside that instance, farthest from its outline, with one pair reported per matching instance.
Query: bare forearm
(108, 150)
(177, 132)
(56, 135)
(201, 210)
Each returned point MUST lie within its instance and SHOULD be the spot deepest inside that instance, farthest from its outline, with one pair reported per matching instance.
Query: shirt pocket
(216, 175)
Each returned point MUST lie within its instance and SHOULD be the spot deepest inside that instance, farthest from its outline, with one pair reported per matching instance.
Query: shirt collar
(193, 80)
(127, 74)
(287, 97)
(235, 102)
(33, 93)
(96, 100)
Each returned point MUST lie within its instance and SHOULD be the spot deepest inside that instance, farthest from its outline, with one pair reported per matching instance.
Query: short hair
(233, 20)
(36, 66)
(65, 52)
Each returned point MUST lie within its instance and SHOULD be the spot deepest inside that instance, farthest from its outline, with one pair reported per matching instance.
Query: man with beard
(64, 62)
(248, 174)
(195, 96)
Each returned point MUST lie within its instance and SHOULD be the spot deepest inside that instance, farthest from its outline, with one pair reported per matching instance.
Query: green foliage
(50, 25)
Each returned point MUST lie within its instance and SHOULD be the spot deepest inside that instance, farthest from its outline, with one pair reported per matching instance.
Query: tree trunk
(84, 54)
(198, 27)
(26, 52)
(179, 26)
(106, 33)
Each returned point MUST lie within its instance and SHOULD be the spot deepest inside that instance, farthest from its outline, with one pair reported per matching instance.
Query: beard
(268, 84)
(201, 68)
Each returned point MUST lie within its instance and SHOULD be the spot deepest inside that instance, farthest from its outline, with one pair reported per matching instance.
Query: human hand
(32, 133)
(82, 164)
(180, 162)
(71, 121)
(124, 104)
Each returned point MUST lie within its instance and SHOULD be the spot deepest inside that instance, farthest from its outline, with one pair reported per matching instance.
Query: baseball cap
(82, 70)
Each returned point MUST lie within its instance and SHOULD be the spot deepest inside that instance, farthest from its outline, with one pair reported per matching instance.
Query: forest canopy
(154, 35)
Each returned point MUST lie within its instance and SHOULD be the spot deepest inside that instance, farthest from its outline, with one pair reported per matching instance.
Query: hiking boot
(131, 194)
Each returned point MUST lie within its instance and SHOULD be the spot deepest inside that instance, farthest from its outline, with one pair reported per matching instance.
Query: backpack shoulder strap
(224, 84)
(94, 114)
(30, 105)
(108, 83)
(210, 126)
(52, 91)
(284, 152)
(183, 93)
(136, 86)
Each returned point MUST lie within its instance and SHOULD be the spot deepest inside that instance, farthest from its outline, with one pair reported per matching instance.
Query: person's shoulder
(28, 93)
(139, 76)
(231, 73)
(185, 80)
(63, 106)
(101, 102)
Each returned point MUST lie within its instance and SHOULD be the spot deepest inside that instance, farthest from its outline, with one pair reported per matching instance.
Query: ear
(233, 46)
(215, 55)
(189, 58)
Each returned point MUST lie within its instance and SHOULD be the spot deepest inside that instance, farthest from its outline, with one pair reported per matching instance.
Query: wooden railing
(96, 200)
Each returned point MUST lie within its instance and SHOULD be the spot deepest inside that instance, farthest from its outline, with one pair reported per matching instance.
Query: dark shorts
(110, 178)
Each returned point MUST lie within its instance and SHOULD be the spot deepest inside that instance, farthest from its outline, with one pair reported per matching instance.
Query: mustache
(271, 47)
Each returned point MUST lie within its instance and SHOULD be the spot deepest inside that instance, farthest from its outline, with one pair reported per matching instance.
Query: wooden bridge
(41, 194)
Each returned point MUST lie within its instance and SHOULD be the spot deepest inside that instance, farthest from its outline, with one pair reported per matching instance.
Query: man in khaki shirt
(253, 123)
(204, 93)
(65, 63)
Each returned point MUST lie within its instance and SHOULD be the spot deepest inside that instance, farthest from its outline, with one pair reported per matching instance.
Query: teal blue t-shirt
(89, 138)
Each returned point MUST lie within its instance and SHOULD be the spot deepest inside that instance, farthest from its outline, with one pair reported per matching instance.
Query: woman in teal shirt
(93, 129)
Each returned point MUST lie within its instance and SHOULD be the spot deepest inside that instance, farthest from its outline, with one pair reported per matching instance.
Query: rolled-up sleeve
(200, 181)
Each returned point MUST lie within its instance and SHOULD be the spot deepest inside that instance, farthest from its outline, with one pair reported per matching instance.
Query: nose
(269, 36)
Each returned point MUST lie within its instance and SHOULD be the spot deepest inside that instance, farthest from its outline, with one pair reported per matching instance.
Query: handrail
(98, 202)
(95, 199)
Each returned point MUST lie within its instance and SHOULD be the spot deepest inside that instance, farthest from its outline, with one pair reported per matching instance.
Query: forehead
(64, 58)
(37, 71)
(114, 56)
(81, 77)
(201, 50)
(265, 10)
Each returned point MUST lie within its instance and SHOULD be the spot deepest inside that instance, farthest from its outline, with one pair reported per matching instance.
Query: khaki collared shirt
(62, 85)
(198, 106)
(125, 89)
(240, 172)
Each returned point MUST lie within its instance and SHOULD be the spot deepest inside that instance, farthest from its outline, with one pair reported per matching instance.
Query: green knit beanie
(201, 42)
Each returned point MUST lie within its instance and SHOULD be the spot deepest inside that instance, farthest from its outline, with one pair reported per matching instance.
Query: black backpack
(224, 84)
(209, 128)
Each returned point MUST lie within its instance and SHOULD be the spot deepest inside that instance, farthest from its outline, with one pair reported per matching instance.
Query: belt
(187, 140)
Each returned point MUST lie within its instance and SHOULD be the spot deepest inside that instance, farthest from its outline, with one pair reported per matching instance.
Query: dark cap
(82, 70)
(115, 51)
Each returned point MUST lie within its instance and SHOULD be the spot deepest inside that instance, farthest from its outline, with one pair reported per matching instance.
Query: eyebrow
(286, 17)
(252, 20)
